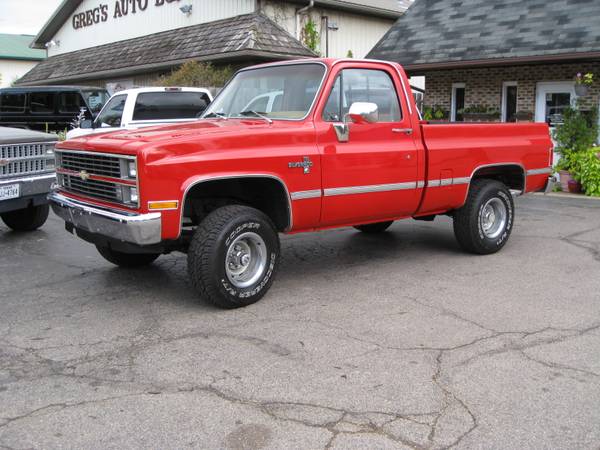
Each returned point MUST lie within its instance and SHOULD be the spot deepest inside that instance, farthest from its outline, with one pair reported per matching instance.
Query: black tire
(27, 219)
(378, 227)
(469, 220)
(127, 259)
(208, 256)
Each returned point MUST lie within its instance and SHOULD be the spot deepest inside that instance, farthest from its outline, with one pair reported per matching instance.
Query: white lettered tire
(233, 256)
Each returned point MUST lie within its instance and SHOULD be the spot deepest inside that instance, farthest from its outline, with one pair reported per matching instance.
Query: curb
(566, 196)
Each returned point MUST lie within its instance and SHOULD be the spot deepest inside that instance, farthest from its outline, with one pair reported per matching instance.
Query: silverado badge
(84, 175)
(305, 164)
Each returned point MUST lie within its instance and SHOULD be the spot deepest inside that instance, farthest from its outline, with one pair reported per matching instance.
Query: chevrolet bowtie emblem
(306, 164)
(84, 175)
(4, 162)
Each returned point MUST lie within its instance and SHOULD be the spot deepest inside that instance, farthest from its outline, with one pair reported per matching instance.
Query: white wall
(11, 70)
(151, 20)
(358, 33)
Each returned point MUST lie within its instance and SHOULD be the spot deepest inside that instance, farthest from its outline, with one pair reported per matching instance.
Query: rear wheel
(233, 256)
(484, 223)
(378, 227)
(126, 259)
(26, 219)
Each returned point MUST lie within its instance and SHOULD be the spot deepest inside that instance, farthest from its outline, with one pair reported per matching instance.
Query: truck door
(373, 175)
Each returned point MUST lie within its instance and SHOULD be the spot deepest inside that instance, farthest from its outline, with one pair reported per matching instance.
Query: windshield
(278, 92)
(111, 114)
(95, 99)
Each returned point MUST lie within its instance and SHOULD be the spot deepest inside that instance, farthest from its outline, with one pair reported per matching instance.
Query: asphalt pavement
(399, 340)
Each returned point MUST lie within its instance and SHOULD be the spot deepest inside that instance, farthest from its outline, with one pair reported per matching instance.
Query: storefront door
(551, 100)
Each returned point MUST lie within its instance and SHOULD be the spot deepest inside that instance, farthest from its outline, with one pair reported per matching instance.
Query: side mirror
(86, 124)
(360, 112)
(363, 112)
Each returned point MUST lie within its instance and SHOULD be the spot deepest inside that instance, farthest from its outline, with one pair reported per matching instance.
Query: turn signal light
(153, 206)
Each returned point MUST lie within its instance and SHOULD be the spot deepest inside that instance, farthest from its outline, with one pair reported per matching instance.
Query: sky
(25, 16)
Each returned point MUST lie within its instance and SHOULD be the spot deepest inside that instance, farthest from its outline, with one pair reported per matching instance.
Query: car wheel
(126, 259)
(26, 219)
(483, 225)
(378, 227)
(233, 256)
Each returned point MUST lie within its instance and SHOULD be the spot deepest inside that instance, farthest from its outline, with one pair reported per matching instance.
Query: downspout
(301, 12)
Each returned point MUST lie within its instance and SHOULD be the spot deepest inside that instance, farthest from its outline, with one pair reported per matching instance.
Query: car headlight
(131, 169)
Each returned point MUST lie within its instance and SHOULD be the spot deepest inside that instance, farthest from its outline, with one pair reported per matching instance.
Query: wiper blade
(256, 114)
(215, 114)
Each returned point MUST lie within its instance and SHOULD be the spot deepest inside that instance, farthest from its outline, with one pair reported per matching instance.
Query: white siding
(355, 32)
(153, 19)
(11, 70)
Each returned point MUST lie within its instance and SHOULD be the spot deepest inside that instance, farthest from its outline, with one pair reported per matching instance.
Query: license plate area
(10, 191)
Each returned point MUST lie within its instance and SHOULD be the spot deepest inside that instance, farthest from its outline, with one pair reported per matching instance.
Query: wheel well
(513, 176)
(268, 195)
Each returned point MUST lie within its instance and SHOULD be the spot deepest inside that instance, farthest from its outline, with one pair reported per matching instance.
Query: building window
(509, 101)
(458, 102)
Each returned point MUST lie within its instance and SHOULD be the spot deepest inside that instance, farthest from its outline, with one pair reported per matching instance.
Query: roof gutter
(344, 5)
(416, 69)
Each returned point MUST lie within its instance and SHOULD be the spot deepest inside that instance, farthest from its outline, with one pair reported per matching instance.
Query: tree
(197, 74)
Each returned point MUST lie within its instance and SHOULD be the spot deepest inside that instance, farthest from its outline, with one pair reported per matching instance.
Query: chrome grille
(107, 166)
(25, 159)
(78, 173)
(102, 190)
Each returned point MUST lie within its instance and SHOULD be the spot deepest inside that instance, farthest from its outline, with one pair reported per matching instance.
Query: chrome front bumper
(140, 229)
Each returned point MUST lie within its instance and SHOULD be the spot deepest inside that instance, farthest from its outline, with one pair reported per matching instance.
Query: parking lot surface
(399, 340)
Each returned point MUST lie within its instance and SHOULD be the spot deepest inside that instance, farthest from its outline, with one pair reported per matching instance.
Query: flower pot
(581, 90)
(574, 187)
(565, 177)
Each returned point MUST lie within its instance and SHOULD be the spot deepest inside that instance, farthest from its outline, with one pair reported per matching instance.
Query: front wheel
(233, 256)
(26, 219)
(126, 259)
(484, 223)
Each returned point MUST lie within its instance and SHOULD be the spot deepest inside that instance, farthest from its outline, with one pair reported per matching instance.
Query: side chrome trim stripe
(448, 182)
(463, 180)
(543, 171)
(301, 195)
(367, 189)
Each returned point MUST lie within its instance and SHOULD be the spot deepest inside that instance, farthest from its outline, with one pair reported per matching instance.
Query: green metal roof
(16, 46)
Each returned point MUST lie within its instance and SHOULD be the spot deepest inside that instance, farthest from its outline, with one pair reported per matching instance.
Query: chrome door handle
(408, 131)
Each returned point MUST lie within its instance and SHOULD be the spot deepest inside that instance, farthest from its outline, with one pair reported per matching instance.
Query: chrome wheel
(493, 217)
(246, 260)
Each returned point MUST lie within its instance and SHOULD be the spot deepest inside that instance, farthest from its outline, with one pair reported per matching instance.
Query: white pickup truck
(143, 107)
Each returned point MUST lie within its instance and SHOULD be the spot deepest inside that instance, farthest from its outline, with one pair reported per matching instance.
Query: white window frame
(505, 85)
(550, 87)
(453, 100)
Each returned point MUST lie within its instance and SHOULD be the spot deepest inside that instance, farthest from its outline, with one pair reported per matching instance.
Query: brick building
(514, 57)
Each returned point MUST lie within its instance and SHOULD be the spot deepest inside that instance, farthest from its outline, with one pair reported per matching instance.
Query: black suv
(49, 108)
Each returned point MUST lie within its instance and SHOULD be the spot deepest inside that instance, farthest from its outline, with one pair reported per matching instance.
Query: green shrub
(576, 134)
(586, 169)
(197, 74)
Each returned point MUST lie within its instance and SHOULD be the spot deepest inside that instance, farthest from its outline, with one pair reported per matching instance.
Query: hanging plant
(583, 83)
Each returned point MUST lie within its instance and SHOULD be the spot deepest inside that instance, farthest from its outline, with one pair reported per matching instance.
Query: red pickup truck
(285, 148)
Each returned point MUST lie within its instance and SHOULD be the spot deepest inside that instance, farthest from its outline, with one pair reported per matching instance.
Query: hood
(20, 136)
(134, 141)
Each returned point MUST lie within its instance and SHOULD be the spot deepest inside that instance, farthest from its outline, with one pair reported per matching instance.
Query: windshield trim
(295, 63)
